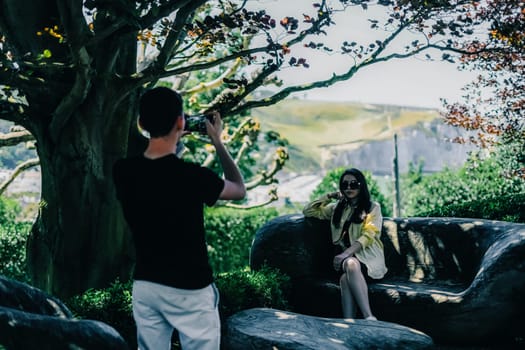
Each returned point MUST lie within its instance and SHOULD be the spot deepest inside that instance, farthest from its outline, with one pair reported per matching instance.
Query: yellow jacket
(367, 233)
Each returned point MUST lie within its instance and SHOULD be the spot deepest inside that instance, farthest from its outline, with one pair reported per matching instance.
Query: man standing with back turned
(163, 199)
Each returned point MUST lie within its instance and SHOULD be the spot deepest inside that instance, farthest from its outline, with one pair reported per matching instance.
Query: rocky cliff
(426, 141)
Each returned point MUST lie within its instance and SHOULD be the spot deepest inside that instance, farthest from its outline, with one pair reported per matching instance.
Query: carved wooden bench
(461, 281)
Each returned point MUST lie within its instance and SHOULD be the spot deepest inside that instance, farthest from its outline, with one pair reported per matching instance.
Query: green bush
(245, 289)
(435, 191)
(9, 210)
(505, 208)
(330, 183)
(477, 181)
(239, 290)
(111, 305)
(13, 237)
(230, 232)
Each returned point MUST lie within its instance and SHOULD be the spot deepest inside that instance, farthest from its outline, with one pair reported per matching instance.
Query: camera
(197, 123)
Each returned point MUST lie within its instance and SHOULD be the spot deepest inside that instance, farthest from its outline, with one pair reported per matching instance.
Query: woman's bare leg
(347, 300)
(357, 285)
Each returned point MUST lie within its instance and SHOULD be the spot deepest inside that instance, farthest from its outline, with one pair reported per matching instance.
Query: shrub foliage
(239, 290)
(230, 232)
(477, 190)
(244, 289)
(111, 305)
(13, 237)
(509, 208)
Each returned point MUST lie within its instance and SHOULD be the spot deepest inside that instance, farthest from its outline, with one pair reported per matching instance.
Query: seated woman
(356, 228)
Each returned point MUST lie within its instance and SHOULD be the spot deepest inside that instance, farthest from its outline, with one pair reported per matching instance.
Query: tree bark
(81, 115)
(80, 238)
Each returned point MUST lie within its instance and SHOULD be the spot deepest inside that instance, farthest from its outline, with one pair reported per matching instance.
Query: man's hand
(234, 187)
(214, 130)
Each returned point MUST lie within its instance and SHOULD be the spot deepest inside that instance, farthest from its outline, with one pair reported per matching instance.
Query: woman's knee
(351, 265)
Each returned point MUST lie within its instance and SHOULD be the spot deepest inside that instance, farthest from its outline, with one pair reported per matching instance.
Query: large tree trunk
(82, 114)
(81, 111)
(80, 238)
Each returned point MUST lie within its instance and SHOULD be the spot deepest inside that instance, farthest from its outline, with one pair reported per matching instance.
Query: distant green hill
(310, 126)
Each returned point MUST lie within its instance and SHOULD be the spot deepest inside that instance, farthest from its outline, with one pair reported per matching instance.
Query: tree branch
(73, 22)
(272, 197)
(14, 138)
(281, 95)
(209, 159)
(176, 35)
(216, 82)
(18, 170)
(74, 98)
(157, 73)
(162, 11)
(147, 76)
(251, 206)
(13, 112)
(122, 24)
(14, 78)
(374, 58)
(265, 177)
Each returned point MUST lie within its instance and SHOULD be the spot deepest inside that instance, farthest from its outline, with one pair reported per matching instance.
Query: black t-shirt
(163, 201)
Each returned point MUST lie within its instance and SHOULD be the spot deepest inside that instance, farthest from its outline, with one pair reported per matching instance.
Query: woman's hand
(334, 195)
(339, 258)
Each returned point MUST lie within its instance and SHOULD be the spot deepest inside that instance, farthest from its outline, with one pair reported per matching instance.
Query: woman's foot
(371, 318)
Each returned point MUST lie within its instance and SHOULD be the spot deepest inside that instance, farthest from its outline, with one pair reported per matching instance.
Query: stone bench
(461, 281)
(264, 328)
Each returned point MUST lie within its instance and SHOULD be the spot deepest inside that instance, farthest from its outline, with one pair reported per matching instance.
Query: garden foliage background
(476, 190)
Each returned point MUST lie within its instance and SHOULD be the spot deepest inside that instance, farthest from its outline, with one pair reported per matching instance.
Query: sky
(406, 82)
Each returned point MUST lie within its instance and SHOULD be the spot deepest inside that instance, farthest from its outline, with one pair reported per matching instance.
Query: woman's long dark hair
(363, 200)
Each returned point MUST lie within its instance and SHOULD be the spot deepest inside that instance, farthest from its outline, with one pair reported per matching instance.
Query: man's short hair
(159, 109)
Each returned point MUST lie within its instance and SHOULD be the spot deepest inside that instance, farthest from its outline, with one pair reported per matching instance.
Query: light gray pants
(159, 309)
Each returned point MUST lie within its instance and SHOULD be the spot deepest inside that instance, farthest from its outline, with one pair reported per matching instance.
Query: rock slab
(32, 319)
(266, 328)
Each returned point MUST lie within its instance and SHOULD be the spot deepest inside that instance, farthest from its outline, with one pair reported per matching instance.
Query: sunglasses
(354, 185)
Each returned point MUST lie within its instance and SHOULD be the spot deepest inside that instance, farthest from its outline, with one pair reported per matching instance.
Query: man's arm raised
(233, 181)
